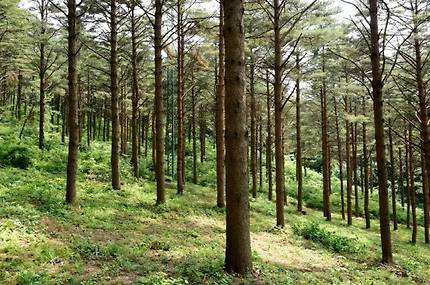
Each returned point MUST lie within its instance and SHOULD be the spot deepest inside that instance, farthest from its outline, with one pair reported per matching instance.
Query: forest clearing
(214, 142)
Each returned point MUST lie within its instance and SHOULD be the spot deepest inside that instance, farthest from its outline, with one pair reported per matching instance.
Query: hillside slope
(123, 238)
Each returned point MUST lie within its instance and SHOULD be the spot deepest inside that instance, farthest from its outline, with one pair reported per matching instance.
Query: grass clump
(331, 240)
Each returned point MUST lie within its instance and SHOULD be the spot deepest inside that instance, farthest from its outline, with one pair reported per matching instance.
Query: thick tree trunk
(114, 96)
(279, 147)
(159, 108)
(73, 123)
(219, 121)
(238, 249)
(325, 147)
(424, 130)
(377, 85)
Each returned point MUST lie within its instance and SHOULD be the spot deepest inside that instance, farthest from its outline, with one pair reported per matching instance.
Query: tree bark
(366, 168)
(412, 194)
(401, 177)
(73, 123)
(339, 158)
(19, 96)
(180, 150)
(159, 108)
(193, 127)
(424, 127)
(325, 147)
(260, 151)
(355, 162)
(348, 163)
(238, 249)
(42, 71)
(279, 148)
(114, 96)
(392, 175)
(299, 162)
(269, 140)
(408, 196)
(135, 94)
(220, 122)
(377, 86)
(202, 132)
(253, 132)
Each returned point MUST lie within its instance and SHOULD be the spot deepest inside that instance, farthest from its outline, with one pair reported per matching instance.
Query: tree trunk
(194, 135)
(219, 121)
(19, 96)
(377, 85)
(366, 169)
(299, 162)
(392, 175)
(325, 147)
(114, 96)
(253, 132)
(154, 138)
(180, 155)
(348, 164)
(412, 194)
(159, 108)
(202, 134)
(424, 127)
(73, 123)
(279, 148)
(42, 72)
(269, 140)
(260, 151)
(63, 116)
(135, 95)
(355, 162)
(339, 158)
(88, 110)
(408, 196)
(401, 177)
(238, 246)
(425, 192)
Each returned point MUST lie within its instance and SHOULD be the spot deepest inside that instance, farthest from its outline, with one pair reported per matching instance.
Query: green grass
(121, 237)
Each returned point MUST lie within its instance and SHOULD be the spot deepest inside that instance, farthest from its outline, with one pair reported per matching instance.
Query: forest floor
(121, 237)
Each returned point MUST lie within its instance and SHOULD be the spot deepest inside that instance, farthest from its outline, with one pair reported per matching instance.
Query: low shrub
(17, 156)
(331, 240)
